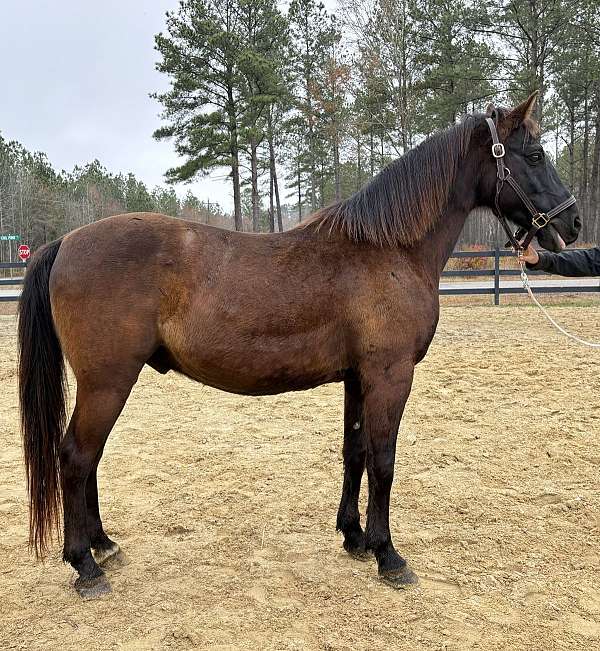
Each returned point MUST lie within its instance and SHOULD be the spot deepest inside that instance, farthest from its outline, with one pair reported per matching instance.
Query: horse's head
(522, 157)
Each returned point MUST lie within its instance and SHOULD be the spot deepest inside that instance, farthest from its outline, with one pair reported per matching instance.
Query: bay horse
(350, 295)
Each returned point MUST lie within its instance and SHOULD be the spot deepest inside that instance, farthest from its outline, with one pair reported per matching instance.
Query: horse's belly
(264, 385)
(261, 366)
(257, 381)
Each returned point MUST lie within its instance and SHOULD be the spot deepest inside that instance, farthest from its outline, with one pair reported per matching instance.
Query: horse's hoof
(115, 561)
(400, 578)
(358, 553)
(93, 588)
(102, 555)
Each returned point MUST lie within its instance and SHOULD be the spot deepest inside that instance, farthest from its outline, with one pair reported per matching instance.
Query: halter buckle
(498, 150)
(540, 220)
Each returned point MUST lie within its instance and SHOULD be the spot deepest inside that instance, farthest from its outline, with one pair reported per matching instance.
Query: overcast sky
(75, 82)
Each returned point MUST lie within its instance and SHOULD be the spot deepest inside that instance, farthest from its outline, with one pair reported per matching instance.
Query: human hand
(530, 255)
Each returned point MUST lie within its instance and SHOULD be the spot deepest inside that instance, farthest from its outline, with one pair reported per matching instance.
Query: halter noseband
(539, 219)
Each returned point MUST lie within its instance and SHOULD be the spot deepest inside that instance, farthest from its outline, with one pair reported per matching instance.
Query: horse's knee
(354, 457)
(381, 470)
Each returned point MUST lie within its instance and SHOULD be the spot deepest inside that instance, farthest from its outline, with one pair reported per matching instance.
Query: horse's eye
(536, 157)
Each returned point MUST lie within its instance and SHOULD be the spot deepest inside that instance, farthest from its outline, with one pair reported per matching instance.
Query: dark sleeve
(577, 262)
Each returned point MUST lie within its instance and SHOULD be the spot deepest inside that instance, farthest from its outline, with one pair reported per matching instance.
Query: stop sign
(24, 252)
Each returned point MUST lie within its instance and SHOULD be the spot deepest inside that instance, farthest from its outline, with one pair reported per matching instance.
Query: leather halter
(538, 219)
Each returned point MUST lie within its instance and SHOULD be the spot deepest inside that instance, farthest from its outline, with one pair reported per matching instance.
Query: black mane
(405, 200)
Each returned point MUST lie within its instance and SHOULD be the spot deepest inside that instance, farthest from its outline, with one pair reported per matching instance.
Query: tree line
(39, 204)
(302, 107)
(331, 100)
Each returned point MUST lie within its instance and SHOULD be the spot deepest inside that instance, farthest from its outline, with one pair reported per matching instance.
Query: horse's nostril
(577, 223)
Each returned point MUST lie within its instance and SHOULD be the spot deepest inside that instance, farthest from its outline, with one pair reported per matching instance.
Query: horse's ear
(490, 111)
(525, 110)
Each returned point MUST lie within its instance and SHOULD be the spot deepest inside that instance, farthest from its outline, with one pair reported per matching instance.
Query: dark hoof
(358, 553)
(103, 555)
(115, 561)
(93, 588)
(400, 578)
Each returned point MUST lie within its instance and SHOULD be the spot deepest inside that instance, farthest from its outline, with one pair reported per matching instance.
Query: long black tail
(42, 398)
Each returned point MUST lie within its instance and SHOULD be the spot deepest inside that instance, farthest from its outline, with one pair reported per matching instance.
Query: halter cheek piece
(538, 219)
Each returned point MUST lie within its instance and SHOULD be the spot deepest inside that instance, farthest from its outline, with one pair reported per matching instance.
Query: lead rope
(527, 287)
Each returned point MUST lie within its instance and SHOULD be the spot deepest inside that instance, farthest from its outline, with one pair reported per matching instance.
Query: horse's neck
(437, 246)
(440, 243)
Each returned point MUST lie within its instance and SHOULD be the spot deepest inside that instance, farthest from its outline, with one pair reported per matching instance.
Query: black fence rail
(7, 280)
(494, 287)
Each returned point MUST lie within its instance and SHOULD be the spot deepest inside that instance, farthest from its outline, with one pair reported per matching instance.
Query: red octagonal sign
(24, 252)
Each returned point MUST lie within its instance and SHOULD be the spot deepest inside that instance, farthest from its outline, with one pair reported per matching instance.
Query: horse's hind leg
(103, 547)
(97, 407)
(355, 451)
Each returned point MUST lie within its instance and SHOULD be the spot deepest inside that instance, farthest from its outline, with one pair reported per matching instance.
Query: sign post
(8, 237)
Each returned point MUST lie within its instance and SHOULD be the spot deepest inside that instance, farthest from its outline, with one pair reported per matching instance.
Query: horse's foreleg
(96, 411)
(355, 451)
(383, 407)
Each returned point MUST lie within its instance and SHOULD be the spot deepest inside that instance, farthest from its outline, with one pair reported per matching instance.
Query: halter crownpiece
(538, 219)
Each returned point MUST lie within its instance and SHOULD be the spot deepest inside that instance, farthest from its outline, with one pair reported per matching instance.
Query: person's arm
(577, 262)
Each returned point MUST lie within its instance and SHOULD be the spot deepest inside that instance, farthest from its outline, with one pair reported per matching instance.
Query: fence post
(497, 275)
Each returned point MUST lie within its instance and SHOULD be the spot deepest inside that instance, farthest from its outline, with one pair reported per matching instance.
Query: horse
(349, 295)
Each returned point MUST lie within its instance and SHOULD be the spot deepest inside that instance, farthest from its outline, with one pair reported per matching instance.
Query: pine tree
(383, 34)
(330, 101)
(455, 69)
(263, 33)
(311, 33)
(200, 54)
(575, 73)
(165, 201)
(137, 197)
(532, 30)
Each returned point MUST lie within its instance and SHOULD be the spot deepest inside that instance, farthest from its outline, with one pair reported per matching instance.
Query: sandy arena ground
(225, 509)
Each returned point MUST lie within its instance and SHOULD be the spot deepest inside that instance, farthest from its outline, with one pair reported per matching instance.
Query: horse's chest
(402, 324)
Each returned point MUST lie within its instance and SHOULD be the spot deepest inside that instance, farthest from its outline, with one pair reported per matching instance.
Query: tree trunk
(535, 67)
(299, 194)
(594, 179)
(358, 163)
(336, 168)
(273, 172)
(585, 164)
(572, 147)
(235, 161)
(254, 183)
(404, 101)
(277, 201)
(322, 185)
(311, 134)
(313, 181)
(271, 207)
